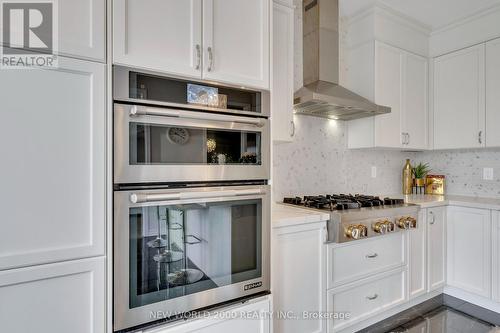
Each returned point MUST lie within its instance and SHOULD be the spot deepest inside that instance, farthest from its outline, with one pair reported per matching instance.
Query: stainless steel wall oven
(191, 204)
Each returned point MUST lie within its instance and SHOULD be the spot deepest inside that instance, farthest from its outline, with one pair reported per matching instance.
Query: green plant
(421, 170)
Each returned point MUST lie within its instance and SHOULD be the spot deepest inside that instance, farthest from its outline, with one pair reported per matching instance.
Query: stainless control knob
(380, 227)
(390, 226)
(407, 222)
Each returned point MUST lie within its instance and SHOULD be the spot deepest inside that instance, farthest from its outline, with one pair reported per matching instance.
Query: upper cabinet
(236, 42)
(459, 99)
(221, 40)
(282, 87)
(492, 93)
(396, 78)
(164, 35)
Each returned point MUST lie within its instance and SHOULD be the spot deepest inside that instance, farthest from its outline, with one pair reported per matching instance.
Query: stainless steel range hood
(321, 95)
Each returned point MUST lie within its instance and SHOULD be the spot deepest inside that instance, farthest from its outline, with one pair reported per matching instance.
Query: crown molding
(477, 15)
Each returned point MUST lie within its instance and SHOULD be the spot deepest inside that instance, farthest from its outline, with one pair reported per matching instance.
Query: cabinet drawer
(362, 258)
(367, 299)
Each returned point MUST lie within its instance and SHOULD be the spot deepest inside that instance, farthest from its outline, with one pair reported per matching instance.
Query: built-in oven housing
(179, 250)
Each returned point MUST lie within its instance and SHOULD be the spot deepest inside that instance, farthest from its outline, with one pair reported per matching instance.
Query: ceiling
(433, 13)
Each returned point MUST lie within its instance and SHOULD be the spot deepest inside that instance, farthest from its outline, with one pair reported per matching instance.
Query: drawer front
(365, 300)
(347, 263)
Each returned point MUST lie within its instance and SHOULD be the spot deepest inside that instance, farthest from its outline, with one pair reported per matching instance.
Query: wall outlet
(374, 171)
(488, 173)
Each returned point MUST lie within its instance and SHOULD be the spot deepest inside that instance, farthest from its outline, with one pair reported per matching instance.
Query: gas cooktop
(354, 217)
(334, 202)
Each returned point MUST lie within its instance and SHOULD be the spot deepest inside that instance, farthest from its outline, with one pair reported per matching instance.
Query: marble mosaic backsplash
(317, 161)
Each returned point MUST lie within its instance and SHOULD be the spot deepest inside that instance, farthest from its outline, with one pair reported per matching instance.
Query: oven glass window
(157, 144)
(185, 249)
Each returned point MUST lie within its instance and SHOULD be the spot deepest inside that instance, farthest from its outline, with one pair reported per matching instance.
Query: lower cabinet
(253, 317)
(469, 250)
(298, 275)
(496, 255)
(57, 298)
(366, 299)
(417, 261)
(436, 248)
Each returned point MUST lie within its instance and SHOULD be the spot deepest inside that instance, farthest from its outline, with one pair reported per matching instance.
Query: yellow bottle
(407, 178)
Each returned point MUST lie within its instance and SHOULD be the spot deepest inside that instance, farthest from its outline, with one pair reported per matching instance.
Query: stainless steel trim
(121, 80)
(155, 197)
(210, 59)
(125, 317)
(166, 112)
(125, 173)
(198, 57)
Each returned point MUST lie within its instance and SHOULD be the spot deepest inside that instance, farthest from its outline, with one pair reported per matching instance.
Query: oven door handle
(154, 197)
(166, 112)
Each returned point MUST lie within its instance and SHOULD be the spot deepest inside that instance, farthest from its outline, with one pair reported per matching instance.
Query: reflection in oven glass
(159, 144)
(184, 249)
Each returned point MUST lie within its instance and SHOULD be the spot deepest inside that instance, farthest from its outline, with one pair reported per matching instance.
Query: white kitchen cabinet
(436, 248)
(252, 317)
(366, 299)
(236, 42)
(282, 88)
(299, 276)
(469, 250)
(57, 298)
(391, 77)
(81, 30)
(459, 99)
(496, 255)
(53, 186)
(492, 93)
(164, 35)
(417, 257)
(219, 40)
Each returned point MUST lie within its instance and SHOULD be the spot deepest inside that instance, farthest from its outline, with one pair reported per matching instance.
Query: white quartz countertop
(427, 201)
(283, 215)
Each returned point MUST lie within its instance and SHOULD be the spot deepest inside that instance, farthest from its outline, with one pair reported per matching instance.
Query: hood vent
(321, 95)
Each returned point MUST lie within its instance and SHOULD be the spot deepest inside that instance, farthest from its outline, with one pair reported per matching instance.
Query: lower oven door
(176, 251)
(153, 144)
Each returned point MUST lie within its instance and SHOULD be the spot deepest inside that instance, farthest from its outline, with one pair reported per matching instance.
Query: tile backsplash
(317, 161)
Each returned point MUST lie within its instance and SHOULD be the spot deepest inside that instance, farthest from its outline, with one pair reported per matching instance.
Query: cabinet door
(436, 247)
(496, 255)
(415, 101)
(388, 69)
(249, 318)
(236, 42)
(82, 28)
(417, 257)
(53, 181)
(57, 298)
(299, 274)
(492, 93)
(469, 250)
(282, 90)
(162, 35)
(459, 105)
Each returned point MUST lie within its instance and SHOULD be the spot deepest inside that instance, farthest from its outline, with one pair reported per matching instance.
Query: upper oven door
(134, 86)
(182, 250)
(162, 145)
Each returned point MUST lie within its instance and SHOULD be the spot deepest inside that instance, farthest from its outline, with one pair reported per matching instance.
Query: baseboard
(472, 298)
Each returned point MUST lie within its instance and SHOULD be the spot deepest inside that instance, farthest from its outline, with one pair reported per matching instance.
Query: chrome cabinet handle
(433, 217)
(371, 256)
(371, 298)
(153, 197)
(166, 112)
(198, 56)
(403, 135)
(292, 134)
(408, 138)
(210, 59)
(480, 137)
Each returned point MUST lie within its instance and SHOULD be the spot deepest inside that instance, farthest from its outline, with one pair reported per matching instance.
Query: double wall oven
(191, 200)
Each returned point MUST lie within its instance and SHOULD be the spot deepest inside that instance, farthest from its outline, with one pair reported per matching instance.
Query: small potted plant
(420, 171)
